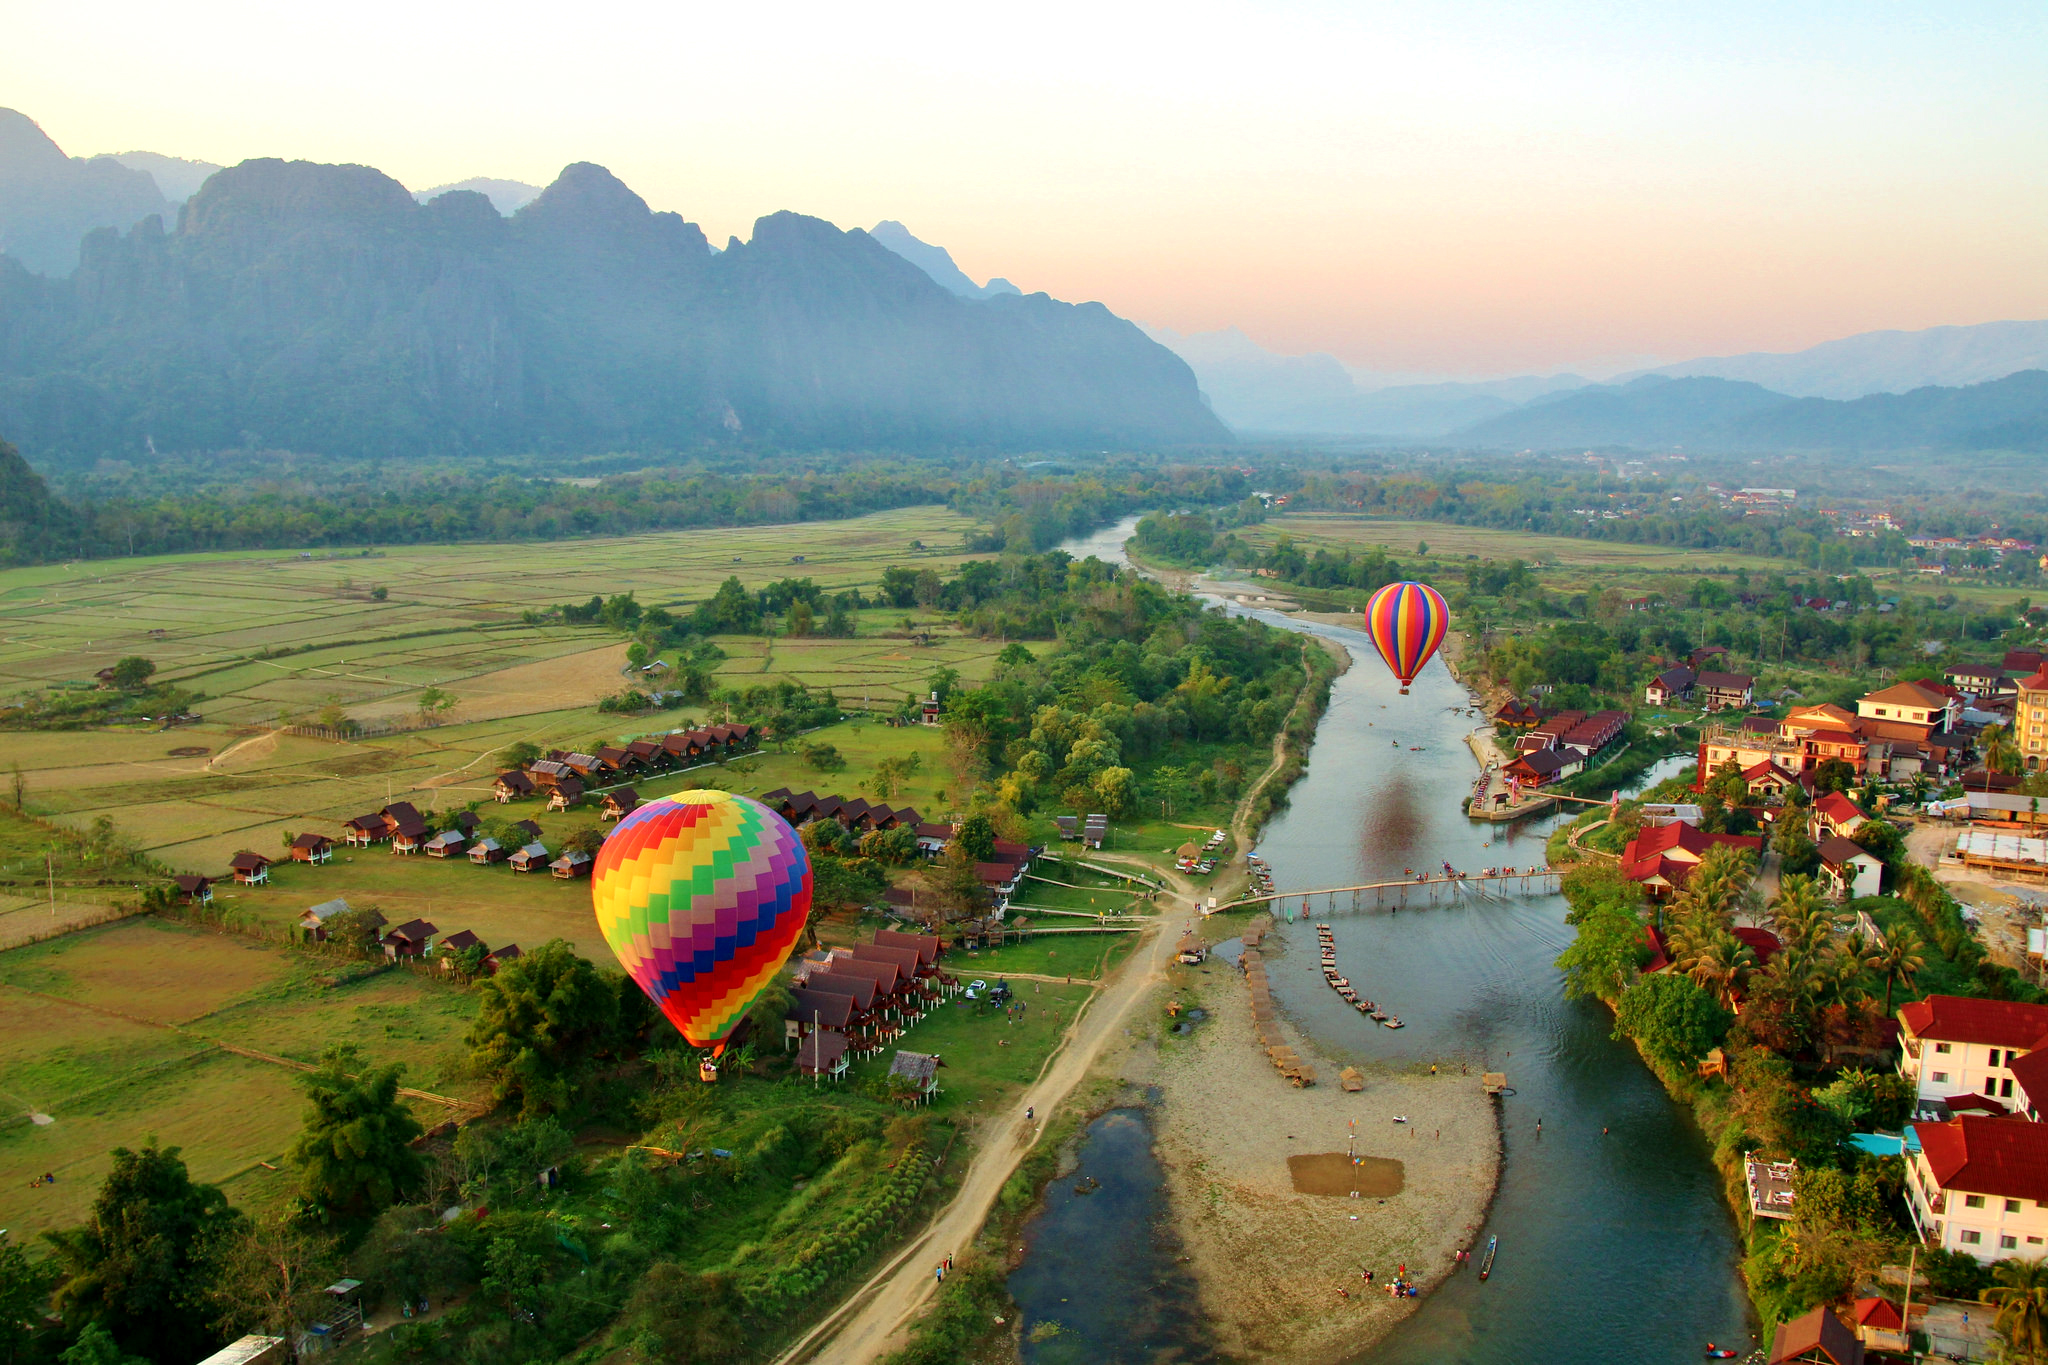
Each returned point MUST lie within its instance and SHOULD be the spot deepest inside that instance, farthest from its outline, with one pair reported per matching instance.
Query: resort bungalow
(363, 830)
(862, 990)
(566, 793)
(583, 765)
(617, 805)
(1673, 684)
(410, 939)
(312, 848)
(532, 858)
(823, 1054)
(529, 830)
(927, 946)
(810, 1011)
(648, 754)
(998, 879)
(313, 924)
(1980, 1186)
(512, 785)
(1544, 765)
(486, 851)
(498, 957)
(461, 941)
(546, 772)
(573, 863)
(1952, 1045)
(445, 844)
(932, 839)
(1069, 827)
(194, 889)
(684, 748)
(616, 760)
(250, 869)
(410, 840)
(1852, 871)
(920, 1070)
(1517, 715)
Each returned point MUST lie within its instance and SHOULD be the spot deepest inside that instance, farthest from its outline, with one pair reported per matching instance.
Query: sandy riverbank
(1269, 1261)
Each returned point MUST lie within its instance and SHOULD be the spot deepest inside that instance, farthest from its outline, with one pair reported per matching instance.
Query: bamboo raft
(1342, 985)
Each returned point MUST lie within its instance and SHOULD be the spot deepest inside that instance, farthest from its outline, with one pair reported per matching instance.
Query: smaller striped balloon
(702, 896)
(1407, 622)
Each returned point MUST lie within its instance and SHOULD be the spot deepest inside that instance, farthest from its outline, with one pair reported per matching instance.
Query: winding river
(1615, 1244)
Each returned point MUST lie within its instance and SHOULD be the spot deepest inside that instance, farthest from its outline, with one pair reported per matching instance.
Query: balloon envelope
(1407, 623)
(701, 896)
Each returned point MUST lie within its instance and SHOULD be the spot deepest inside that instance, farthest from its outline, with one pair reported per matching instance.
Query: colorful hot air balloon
(1406, 622)
(702, 895)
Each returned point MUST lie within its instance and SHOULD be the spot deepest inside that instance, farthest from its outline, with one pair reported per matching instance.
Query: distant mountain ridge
(1881, 362)
(506, 196)
(936, 262)
(1706, 413)
(48, 200)
(323, 309)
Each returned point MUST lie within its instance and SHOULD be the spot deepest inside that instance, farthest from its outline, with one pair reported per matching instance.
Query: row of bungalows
(868, 994)
(1004, 873)
(1091, 834)
(246, 867)
(412, 939)
(856, 813)
(1563, 745)
(564, 776)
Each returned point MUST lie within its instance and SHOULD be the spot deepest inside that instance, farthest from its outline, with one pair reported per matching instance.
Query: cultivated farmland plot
(451, 619)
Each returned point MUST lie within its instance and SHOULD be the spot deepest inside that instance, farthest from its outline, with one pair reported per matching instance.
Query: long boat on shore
(1486, 1262)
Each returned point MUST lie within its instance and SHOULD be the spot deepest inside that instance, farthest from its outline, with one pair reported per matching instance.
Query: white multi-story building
(1951, 1045)
(1980, 1185)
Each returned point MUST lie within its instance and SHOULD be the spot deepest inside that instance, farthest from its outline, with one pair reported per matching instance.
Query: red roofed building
(1835, 814)
(1767, 778)
(1957, 1045)
(1663, 857)
(1980, 1186)
(1762, 942)
(1815, 1338)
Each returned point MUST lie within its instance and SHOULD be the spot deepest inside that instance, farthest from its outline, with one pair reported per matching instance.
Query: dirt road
(873, 1318)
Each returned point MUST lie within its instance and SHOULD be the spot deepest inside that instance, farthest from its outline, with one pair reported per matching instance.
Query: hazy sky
(1424, 187)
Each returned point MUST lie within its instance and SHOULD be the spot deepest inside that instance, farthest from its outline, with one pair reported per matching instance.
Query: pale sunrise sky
(1423, 188)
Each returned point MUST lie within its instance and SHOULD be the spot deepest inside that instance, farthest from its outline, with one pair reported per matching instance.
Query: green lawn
(1081, 956)
(986, 1058)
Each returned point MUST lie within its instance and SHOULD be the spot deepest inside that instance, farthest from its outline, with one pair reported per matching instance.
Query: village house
(566, 792)
(1814, 1338)
(1851, 871)
(531, 858)
(250, 869)
(932, 839)
(619, 804)
(1915, 704)
(512, 785)
(1672, 685)
(363, 830)
(928, 711)
(1662, 858)
(1724, 691)
(573, 863)
(1980, 1186)
(312, 848)
(811, 1010)
(194, 889)
(1978, 681)
(999, 880)
(583, 765)
(498, 957)
(409, 840)
(546, 772)
(648, 754)
(1879, 1326)
(1836, 816)
(1767, 780)
(1517, 715)
(617, 760)
(408, 940)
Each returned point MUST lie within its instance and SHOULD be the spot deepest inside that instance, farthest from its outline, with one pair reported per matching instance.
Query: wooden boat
(1486, 1262)
(1378, 1017)
(1391, 1022)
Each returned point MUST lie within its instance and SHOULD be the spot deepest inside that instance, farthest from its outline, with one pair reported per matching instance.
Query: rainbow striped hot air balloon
(701, 896)
(1406, 622)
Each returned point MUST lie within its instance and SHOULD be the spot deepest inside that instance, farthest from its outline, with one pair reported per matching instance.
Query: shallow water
(1615, 1244)
(1102, 1282)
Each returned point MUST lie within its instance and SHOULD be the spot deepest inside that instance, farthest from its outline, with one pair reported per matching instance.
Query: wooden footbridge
(1492, 884)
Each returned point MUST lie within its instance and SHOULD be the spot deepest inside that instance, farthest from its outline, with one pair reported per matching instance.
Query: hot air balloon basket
(707, 1072)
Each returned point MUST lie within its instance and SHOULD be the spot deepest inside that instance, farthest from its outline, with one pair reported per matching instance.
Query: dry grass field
(110, 1035)
(1400, 538)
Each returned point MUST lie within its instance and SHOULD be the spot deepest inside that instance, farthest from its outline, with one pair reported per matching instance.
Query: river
(1615, 1243)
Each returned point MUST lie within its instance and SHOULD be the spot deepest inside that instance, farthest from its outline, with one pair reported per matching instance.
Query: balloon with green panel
(702, 896)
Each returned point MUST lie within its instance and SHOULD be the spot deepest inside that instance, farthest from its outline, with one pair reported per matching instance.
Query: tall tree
(354, 1151)
(539, 1019)
(2021, 1295)
(141, 1263)
(270, 1279)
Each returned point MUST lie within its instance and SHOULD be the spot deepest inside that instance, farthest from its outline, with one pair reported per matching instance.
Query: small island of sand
(1271, 1259)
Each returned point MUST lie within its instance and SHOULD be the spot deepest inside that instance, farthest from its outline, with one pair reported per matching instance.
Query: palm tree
(1721, 964)
(2021, 1296)
(1900, 960)
(2001, 755)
